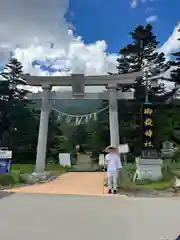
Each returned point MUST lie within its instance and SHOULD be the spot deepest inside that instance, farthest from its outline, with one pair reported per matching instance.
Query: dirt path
(90, 183)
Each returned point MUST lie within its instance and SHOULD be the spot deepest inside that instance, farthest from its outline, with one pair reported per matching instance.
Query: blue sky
(92, 20)
(112, 20)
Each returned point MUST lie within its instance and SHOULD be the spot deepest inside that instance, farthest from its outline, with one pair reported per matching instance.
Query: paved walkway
(90, 183)
(71, 217)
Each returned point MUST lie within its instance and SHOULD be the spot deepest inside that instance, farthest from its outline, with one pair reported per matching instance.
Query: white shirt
(113, 162)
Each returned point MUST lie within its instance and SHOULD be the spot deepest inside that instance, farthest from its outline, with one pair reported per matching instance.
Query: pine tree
(16, 116)
(140, 53)
(13, 79)
(175, 78)
(13, 98)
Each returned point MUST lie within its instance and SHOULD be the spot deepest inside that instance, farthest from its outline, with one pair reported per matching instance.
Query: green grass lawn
(148, 185)
(22, 168)
(29, 168)
(14, 177)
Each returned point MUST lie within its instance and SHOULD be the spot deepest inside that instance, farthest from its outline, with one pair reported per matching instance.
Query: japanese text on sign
(148, 111)
(148, 127)
(148, 133)
(148, 144)
(148, 122)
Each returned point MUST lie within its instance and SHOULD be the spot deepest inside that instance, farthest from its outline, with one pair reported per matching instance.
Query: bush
(176, 156)
(175, 165)
(128, 172)
(130, 158)
(6, 180)
(10, 178)
(16, 175)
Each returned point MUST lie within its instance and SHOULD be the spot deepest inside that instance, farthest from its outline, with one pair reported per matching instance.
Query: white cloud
(152, 18)
(37, 30)
(23, 22)
(135, 3)
(89, 59)
(172, 44)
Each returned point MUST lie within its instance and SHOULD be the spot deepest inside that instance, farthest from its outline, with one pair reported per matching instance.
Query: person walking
(114, 165)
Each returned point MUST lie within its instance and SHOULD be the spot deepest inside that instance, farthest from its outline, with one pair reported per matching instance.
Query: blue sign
(5, 165)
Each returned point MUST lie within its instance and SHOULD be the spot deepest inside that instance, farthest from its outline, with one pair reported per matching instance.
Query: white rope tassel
(79, 120)
(68, 119)
(87, 118)
(59, 117)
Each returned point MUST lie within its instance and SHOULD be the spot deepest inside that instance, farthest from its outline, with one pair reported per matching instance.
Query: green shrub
(128, 172)
(174, 165)
(130, 158)
(6, 180)
(10, 178)
(176, 156)
(16, 175)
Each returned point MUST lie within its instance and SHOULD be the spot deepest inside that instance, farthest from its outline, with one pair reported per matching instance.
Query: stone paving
(50, 216)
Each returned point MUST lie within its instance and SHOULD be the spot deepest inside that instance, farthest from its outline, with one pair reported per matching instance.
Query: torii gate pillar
(113, 115)
(43, 130)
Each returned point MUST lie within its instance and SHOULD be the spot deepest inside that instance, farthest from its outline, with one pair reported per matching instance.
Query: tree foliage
(141, 55)
(175, 74)
(16, 117)
(97, 131)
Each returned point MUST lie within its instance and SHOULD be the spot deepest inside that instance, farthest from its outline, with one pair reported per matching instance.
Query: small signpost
(101, 160)
(5, 161)
(123, 150)
(65, 159)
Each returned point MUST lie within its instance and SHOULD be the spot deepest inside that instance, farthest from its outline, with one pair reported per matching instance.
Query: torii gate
(78, 83)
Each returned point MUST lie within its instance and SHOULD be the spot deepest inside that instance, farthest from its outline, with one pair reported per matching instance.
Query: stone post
(43, 131)
(113, 115)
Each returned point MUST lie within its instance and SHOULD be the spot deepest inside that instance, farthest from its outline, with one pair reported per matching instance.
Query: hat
(110, 147)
